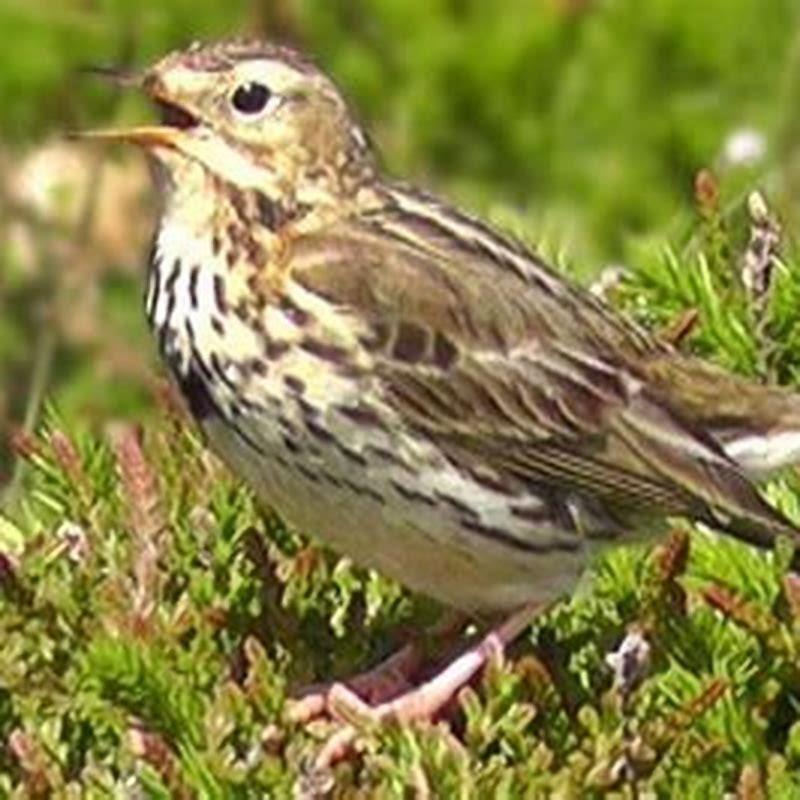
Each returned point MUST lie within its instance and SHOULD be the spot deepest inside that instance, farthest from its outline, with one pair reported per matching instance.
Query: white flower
(744, 147)
(74, 541)
(630, 661)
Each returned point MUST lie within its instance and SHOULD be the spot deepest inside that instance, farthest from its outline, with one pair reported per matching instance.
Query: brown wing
(522, 375)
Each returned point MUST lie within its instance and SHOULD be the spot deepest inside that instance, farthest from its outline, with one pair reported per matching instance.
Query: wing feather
(545, 386)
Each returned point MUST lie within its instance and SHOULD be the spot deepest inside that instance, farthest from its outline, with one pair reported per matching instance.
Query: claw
(422, 703)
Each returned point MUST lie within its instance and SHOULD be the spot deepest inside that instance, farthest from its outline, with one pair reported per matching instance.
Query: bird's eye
(251, 98)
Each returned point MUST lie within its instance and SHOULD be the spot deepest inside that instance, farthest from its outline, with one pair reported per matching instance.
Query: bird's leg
(390, 678)
(387, 679)
(424, 701)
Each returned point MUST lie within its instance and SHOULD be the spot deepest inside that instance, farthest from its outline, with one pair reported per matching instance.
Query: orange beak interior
(144, 135)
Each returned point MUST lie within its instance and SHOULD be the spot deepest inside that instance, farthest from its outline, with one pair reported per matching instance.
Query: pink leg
(424, 701)
(388, 679)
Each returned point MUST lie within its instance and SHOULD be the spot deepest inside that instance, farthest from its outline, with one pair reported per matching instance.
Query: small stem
(46, 341)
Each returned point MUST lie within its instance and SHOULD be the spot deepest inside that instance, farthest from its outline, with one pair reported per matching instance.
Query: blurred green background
(577, 124)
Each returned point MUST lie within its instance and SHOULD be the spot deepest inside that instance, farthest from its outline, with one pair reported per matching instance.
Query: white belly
(421, 545)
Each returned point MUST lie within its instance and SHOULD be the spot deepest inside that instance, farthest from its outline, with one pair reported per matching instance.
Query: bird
(416, 388)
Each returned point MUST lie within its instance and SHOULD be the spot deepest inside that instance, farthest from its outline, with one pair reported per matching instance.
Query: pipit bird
(417, 389)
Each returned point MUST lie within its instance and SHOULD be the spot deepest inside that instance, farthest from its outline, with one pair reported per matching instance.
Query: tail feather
(761, 453)
(716, 488)
(758, 426)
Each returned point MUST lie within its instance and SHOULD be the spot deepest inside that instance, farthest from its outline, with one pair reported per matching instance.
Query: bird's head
(251, 113)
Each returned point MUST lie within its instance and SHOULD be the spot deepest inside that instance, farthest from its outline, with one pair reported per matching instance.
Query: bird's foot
(423, 702)
(388, 679)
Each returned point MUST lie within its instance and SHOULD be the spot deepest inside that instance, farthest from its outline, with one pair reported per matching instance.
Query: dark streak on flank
(256, 324)
(365, 491)
(220, 298)
(195, 392)
(362, 415)
(275, 349)
(536, 514)
(194, 387)
(411, 494)
(248, 440)
(291, 445)
(306, 472)
(169, 289)
(153, 256)
(318, 432)
(308, 410)
(169, 286)
(294, 384)
(281, 461)
(217, 367)
(255, 407)
(172, 300)
(152, 293)
(293, 312)
(388, 457)
(194, 276)
(218, 325)
(326, 436)
(504, 537)
(166, 341)
(457, 505)
(189, 330)
(352, 455)
(258, 367)
(327, 352)
(201, 365)
(332, 480)
(287, 425)
(487, 479)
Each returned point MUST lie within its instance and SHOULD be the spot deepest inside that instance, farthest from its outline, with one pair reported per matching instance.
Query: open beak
(143, 135)
(176, 122)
